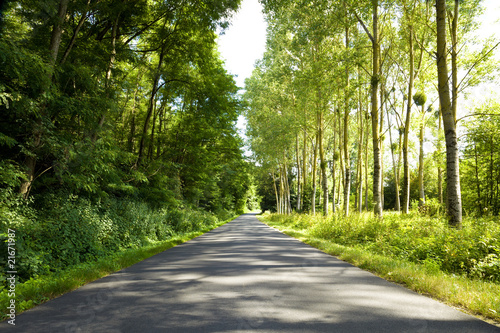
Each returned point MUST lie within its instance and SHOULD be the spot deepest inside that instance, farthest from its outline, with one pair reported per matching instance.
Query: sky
(245, 41)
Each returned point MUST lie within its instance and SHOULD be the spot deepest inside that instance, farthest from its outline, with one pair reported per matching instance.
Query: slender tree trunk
(377, 158)
(334, 164)
(75, 33)
(299, 189)
(394, 165)
(360, 164)
(152, 135)
(347, 173)
(421, 189)
(151, 107)
(366, 164)
(406, 163)
(288, 199)
(439, 151)
(276, 193)
(360, 148)
(382, 142)
(454, 58)
(478, 183)
(314, 172)
(304, 163)
(454, 196)
(341, 159)
(324, 180)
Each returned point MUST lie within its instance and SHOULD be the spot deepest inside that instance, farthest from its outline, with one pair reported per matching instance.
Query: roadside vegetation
(60, 276)
(459, 267)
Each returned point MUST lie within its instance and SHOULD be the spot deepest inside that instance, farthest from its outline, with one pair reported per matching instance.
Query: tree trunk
(478, 183)
(314, 171)
(334, 164)
(421, 190)
(152, 98)
(406, 163)
(394, 165)
(382, 142)
(366, 163)
(304, 164)
(324, 179)
(454, 66)
(440, 170)
(454, 197)
(377, 158)
(360, 163)
(299, 193)
(347, 173)
(275, 192)
(75, 33)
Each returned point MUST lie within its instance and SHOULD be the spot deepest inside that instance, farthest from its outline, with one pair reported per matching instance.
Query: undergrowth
(132, 234)
(473, 250)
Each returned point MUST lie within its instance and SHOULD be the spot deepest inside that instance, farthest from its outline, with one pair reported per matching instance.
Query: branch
(479, 114)
(364, 27)
(476, 63)
(144, 29)
(361, 22)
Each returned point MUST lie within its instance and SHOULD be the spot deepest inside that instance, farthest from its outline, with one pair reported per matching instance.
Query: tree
(420, 98)
(454, 196)
(375, 80)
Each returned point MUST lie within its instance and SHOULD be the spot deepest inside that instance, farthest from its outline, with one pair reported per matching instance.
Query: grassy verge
(44, 288)
(477, 297)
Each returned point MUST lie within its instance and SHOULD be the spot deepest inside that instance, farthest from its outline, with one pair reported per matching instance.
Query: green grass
(44, 288)
(390, 249)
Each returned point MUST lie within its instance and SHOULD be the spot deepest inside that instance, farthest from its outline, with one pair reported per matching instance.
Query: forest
(362, 105)
(117, 127)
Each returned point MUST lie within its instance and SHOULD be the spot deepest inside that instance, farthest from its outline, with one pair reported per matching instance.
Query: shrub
(473, 250)
(67, 230)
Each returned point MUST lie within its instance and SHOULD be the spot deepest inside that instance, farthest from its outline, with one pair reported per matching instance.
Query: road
(244, 276)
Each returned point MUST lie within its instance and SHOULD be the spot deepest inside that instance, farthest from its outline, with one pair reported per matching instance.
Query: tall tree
(454, 196)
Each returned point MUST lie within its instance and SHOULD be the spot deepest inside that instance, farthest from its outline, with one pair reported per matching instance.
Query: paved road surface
(244, 276)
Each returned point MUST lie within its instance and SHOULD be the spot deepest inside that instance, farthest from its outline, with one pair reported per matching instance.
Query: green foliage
(479, 168)
(473, 251)
(40, 289)
(420, 98)
(69, 230)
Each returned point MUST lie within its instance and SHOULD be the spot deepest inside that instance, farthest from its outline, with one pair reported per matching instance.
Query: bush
(67, 230)
(473, 250)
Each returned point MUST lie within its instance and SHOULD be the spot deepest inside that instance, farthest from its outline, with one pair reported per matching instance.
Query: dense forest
(360, 105)
(117, 126)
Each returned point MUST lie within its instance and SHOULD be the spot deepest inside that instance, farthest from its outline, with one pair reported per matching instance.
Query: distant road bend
(244, 276)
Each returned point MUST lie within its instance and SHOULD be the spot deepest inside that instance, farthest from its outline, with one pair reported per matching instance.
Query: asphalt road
(244, 276)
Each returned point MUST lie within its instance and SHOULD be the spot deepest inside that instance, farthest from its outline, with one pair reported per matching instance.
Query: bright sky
(245, 41)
